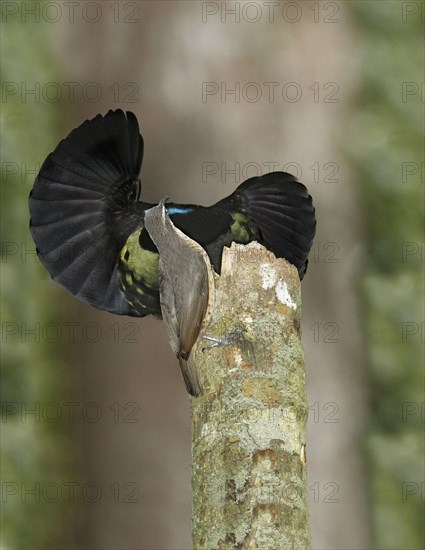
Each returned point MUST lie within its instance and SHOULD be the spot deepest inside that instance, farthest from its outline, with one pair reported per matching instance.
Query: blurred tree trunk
(249, 426)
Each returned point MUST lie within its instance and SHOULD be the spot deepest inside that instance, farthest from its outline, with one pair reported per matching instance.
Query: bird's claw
(234, 336)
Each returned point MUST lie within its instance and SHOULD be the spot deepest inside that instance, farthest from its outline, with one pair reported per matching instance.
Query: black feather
(83, 207)
(283, 211)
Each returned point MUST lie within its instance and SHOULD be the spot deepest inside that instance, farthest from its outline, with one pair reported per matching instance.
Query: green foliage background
(33, 450)
(387, 131)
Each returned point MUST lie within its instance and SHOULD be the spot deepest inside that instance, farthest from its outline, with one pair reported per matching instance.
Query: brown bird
(186, 288)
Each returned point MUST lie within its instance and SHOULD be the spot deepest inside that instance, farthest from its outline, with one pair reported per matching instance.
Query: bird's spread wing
(83, 207)
(283, 211)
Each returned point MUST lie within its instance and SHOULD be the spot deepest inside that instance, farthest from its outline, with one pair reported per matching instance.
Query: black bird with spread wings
(89, 226)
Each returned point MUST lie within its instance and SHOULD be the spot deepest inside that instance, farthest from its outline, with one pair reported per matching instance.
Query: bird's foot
(235, 336)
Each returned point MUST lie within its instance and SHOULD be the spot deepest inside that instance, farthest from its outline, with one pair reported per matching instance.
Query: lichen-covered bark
(249, 427)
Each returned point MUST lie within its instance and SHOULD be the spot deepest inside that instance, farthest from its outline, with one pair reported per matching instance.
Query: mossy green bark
(249, 427)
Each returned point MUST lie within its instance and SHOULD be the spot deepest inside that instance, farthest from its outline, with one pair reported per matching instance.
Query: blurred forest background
(95, 428)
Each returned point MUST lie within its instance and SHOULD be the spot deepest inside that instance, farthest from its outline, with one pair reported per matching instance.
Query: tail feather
(190, 376)
(283, 211)
(83, 207)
